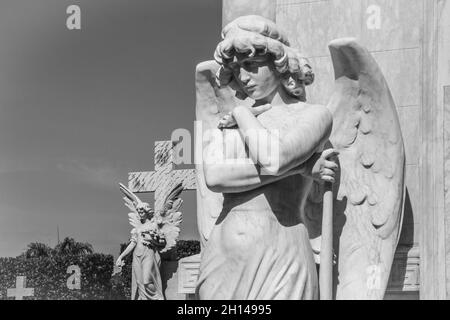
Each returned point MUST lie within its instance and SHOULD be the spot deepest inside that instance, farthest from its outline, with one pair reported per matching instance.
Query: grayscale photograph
(224, 150)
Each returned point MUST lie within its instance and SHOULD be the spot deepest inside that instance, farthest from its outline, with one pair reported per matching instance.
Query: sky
(79, 109)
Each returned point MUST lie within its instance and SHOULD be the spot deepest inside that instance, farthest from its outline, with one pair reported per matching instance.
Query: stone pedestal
(189, 269)
(169, 276)
(180, 278)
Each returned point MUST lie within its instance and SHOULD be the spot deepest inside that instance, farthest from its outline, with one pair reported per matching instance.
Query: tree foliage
(187, 248)
(71, 247)
(46, 270)
(38, 250)
(48, 276)
(68, 247)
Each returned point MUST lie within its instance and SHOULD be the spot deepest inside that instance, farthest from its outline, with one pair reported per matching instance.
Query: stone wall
(443, 85)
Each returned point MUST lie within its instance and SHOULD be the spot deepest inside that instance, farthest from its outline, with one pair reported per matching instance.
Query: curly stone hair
(255, 35)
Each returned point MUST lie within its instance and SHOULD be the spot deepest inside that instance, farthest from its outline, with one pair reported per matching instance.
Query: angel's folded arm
(238, 178)
(311, 130)
(226, 176)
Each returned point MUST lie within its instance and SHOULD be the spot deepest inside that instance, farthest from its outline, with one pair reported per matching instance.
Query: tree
(186, 248)
(37, 250)
(71, 247)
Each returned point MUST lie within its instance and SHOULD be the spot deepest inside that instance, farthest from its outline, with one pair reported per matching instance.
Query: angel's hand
(119, 262)
(326, 166)
(228, 121)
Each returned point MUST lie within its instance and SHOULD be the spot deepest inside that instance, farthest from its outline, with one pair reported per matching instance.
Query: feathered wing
(172, 218)
(211, 103)
(369, 193)
(134, 220)
(130, 205)
(131, 200)
(173, 201)
(171, 230)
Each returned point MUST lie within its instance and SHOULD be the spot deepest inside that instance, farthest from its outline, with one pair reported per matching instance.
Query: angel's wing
(129, 204)
(211, 102)
(171, 217)
(370, 190)
(134, 219)
(173, 201)
(131, 200)
(171, 229)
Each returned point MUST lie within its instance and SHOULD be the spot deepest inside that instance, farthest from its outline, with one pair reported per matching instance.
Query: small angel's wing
(173, 202)
(129, 204)
(131, 200)
(212, 103)
(370, 193)
(176, 205)
(134, 219)
(171, 229)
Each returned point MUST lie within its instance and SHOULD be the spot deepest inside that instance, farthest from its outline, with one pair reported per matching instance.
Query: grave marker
(20, 290)
(161, 181)
(164, 178)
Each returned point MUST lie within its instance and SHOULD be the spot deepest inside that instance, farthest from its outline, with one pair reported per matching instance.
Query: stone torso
(259, 248)
(280, 201)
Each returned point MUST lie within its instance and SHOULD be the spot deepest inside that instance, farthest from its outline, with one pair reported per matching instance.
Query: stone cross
(20, 291)
(164, 178)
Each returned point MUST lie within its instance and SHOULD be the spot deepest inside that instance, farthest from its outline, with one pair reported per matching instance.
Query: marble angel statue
(259, 220)
(152, 233)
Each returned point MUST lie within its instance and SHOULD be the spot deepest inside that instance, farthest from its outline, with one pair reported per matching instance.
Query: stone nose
(244, 76)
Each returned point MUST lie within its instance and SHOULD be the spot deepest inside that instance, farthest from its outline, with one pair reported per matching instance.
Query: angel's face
(144, 209)
(255, 75)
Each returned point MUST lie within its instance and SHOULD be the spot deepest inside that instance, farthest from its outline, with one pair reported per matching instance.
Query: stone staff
(326, 252)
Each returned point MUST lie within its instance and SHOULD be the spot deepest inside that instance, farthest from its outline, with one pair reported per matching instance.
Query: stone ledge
(188, 271)
(405, 272)
(404, 278)
(404, 282)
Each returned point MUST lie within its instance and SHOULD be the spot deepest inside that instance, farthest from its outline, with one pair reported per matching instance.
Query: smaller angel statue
(152, 233)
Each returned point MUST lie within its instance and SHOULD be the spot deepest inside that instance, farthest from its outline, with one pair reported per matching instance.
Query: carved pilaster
(432, 213)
